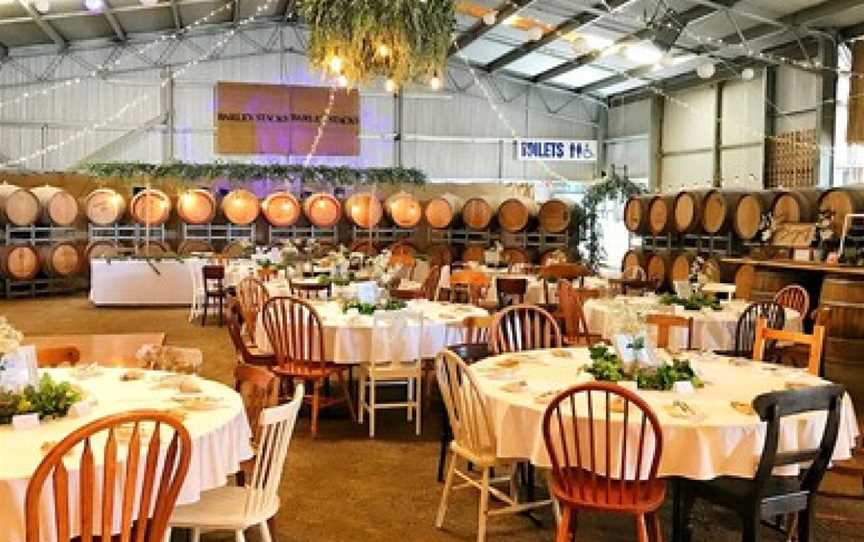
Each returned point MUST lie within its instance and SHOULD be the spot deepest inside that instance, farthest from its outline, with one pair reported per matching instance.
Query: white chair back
(277, 426)
(466, 409)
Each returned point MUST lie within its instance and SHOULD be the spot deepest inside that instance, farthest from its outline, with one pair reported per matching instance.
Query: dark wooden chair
(578, 437)
(524, 327)
(310, 291)
(571, 301)
(745, 329)
(511, 291)
(56, 356)
(214, 289)
(665, 323)
(297, 335)
(794, 297)
(148, 471)
(766, 495)
(244, 351)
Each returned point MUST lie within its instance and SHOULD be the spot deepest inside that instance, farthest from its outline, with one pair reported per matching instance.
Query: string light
(435, 83)
(390, 86)
(325, 118)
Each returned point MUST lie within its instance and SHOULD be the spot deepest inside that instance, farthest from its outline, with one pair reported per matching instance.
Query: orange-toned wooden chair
(467, 286)
(297, 335)
(160, 466)
(55, 356)
(251, 295)
(815, 342)
(259, 389)
(524, 327)
(584, 474)
(428, 290)
(665, 322)
(559, 272)
(245, 353)
(571, 301)
(310, 291)
(794, 297)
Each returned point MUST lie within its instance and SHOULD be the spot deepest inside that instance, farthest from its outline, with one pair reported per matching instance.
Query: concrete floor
(344, 487)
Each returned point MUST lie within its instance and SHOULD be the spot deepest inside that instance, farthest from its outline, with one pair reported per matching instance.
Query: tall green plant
(613, 188)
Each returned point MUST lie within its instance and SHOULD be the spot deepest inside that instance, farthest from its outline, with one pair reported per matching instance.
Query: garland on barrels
(614, 187)
(333, 175)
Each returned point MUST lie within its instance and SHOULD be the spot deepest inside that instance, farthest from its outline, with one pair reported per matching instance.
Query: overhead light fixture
(706, 70)
(490, 17)
(596, 42)
(748, 74)
(342, 81)
(643, 53)
(535, 34)
(390, 85)
(94, 5)
(512, 20)
(435, 83)
(149, 3)
(42, 6)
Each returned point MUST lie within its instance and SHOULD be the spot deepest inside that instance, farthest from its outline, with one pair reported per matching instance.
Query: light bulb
(390, 85)
(383, 50)
(149, 3)
(706, 70)
(94, 5)
(748, 74)
(342, 81)
(435, 82)
(490, 17)
(335, 64)
(42, 6)
(535, 34)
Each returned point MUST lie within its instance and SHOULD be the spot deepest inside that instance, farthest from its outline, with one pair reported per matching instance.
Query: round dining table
(712, 329)
(351, 338)
(220, 442)
(715, 437)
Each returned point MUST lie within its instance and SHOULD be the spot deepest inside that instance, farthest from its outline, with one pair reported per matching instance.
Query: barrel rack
(134, 233)
(218, 232)
(381, 235)
(35, 235)
(525, 239)
(710, 245)
(32, 235)
(277, 234)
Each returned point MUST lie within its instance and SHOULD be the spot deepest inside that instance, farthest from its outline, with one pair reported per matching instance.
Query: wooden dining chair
(214, 290)
(138, 478)
(245, 352)
(745, 329)
(297, 336)
(571, 305)
(524, 327)
(474, 441)
(310, 291)
(510, 291)
(814, 343)
(236, 508)
(794, 297)
(766, 495)
(57, 356)
(665, 323)
(405, 260)
(259, 389)
(431, 283)
(251, 294)
(558, 272)
(582, 429)
(469, 286)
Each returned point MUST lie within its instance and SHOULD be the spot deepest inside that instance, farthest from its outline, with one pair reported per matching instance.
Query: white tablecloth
(140, 282)
(722, 442)
(712, 330)
(349, 339)
(220, 441)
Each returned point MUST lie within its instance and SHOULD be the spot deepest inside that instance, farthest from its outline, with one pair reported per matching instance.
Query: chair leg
(361, 396)
(347, 394)
(221, 311)
(373, 396)
(409, 390)
(315, 400)
(445, 444)
(564, 533)
(654, 527)
(805, 517)
(641, 529)
(445, 495)
(196, 535)
(167, 537)
(750, 528)
(271, 528)
(418, 406)
(265, 532)
(204, 314)
(239, 536)
(483, 512)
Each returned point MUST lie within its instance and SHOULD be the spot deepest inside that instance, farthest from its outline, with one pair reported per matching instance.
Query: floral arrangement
(767, 227)
(627, 319)
(606, 366)
(369, 309)
(585, 220)
(10, 338)
(48, 399)
(824, 227)
(692, 303)
(696, 275)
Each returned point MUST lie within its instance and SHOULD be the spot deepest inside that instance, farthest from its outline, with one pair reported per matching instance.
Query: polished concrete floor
(344, 487)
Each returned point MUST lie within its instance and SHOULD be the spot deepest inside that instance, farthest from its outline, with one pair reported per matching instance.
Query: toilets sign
(556, 150)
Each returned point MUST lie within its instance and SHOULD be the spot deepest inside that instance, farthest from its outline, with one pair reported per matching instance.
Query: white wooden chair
(473, 441)
(394, 370)
(233, 508)
(196, 307)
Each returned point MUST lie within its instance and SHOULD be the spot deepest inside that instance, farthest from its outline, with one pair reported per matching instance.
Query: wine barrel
(718, 210)
(104, 206)
(190, 246)
(403, 210)
(57, 207)
(845, 334)
(60, 260)
(151, 207)
(744, 277)
(842, 364)
(241, 207)
(18, 262)
(364, 210)
(687, 209)
(18, 206)
(660, 214)
(842, 200)
(795, 206)
(749, 211)
(439, 254)
(473, 253)
(364, 246)
(554, 216)
(546, 257)
(635, 257)
(681, 264)
(281, 209)
(516, 213)
(234, 249)
(196, 206)
(659, 267)
(443, 211)
(636, 213)
(717, 271)
(152, 248)
(767, 282)
(477, 213)
(101, 249)
(513, 255)
(322, 210)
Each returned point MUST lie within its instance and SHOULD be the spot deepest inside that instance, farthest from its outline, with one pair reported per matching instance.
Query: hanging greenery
(402, 40)
(336, 176)
(613, 188)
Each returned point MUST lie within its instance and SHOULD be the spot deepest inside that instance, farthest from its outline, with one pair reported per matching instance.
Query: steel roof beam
(175, 15)
(115, 24)
(43, 25)
(480, 28)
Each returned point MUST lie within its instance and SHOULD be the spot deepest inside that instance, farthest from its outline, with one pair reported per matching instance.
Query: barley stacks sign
(283, 119)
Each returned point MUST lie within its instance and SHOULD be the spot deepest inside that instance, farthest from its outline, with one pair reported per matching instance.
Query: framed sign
(253, 118)
(556, 150)
(794, 235)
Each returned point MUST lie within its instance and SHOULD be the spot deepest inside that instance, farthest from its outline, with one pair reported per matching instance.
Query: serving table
(220, 441)
(719, 440)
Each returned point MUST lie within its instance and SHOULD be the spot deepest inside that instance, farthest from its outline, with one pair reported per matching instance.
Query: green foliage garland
(606, 367)
(49, 399)
(403, 40)
(612, 188)
(336, 176)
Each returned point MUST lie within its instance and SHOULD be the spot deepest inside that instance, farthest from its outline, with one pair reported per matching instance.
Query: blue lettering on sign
(542, 149)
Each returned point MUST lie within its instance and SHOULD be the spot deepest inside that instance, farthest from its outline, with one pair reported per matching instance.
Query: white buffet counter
(140, 282)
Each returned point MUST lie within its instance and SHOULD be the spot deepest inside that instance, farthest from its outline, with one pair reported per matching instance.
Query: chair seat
(780, 492)
(221, 508)
(306, 370)
(646, 501)
(480, 458)
(384, 371)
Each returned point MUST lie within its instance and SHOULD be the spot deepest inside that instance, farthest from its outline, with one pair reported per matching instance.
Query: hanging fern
(613, 188)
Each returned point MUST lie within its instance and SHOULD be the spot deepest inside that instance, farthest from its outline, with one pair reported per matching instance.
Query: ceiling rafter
(235, 12)
(684, 18)
(44, 25)
(478, 29)
(119, 32)
(574, 23)
(175, 15)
